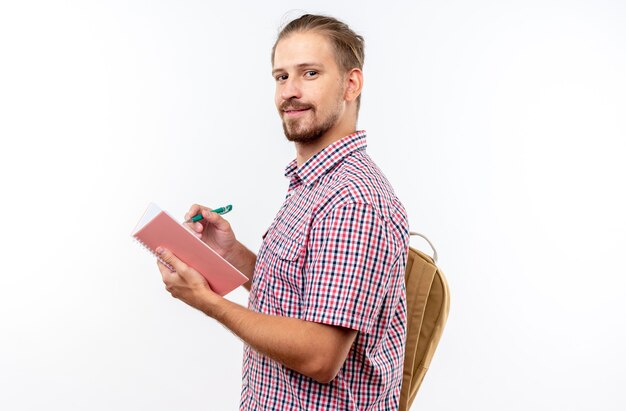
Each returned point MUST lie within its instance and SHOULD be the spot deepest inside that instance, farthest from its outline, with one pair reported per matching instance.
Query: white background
(499, 123)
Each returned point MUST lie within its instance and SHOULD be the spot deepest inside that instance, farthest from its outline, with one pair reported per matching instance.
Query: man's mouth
(294, 112)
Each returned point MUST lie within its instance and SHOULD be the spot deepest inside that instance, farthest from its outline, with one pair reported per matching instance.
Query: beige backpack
(428, 303)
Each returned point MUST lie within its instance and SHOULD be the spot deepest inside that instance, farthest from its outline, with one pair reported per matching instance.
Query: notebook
(157, 228)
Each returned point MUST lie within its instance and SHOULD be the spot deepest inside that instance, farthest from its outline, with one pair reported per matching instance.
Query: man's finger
(169, 258)
(166, 273)
(216, 220)
(193, 210)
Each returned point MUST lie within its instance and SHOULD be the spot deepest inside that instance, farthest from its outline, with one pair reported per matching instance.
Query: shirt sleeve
(348, 268)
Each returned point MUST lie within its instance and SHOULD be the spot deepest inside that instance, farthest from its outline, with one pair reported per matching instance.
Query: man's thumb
(169, 259)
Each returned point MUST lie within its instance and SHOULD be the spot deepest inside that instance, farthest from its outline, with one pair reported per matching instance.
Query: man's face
(309, 86)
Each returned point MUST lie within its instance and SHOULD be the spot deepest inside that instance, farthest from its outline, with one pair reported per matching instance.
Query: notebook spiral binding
(151, 251)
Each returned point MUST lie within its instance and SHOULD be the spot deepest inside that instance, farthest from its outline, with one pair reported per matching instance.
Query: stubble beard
(295, 131)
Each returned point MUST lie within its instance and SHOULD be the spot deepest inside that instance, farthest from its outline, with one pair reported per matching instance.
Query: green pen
(221, 210)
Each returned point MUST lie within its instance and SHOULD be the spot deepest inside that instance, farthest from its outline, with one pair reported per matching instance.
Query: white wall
(500, 124)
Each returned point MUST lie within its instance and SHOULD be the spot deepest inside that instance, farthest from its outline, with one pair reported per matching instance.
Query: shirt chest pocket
(284, 274)
(284, 247)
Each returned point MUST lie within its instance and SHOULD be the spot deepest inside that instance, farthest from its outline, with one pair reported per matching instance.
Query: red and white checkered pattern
(335, 254)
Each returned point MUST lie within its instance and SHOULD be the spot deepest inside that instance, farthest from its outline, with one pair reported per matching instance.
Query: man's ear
(354, 84)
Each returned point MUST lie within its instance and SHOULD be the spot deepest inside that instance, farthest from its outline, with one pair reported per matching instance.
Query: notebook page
(148, 215)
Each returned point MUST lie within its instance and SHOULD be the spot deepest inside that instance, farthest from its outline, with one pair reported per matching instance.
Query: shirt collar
(324, 160)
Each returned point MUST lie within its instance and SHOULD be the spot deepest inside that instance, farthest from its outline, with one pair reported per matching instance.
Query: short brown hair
(349, 46)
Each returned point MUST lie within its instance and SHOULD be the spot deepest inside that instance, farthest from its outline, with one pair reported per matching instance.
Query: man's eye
(281, 77)
(311, 73)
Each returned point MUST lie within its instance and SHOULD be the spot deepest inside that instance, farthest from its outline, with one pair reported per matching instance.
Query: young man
(326, 320)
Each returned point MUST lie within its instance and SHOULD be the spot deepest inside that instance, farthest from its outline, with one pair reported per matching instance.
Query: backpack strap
(429, 243)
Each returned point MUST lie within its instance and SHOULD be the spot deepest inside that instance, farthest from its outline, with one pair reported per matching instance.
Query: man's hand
(214, 230)
(185, 283)
(217, 233)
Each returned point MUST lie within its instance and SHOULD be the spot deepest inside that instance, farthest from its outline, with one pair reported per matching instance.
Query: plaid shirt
(335, 254)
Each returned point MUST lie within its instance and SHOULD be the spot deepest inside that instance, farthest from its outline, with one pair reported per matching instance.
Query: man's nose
(290, 89)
